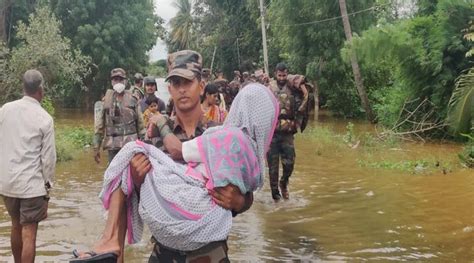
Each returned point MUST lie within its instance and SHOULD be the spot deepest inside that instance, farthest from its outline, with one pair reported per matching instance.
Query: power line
(332, 18)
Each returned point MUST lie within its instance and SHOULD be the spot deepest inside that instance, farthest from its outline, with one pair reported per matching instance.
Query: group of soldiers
(125, 115)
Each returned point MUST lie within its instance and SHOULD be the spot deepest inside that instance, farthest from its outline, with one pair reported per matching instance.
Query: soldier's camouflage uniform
(137, 92)
(117, 122)
(282, 145)
(185, 64)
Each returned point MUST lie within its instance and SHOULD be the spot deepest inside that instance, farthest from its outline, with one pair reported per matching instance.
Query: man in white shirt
(27, 163)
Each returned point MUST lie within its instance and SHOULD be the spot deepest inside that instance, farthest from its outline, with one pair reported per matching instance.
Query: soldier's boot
(287, 170)
(284, 189)
(276, 195)
(273, 160)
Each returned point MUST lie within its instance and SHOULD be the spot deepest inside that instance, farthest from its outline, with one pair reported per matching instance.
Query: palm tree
(181, 25)
(461, 105)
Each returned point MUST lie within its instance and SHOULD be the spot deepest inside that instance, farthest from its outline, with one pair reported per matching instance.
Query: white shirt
(27, 149)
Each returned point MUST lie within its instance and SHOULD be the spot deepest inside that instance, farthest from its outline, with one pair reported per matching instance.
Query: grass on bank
(369, 151)
(71, 140)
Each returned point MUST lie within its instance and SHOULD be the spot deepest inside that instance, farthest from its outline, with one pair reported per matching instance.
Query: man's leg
(15, 239)
(12, 205)
(273, 160)
(32, 211)
(112, 154)
(113, 236)
(288, 161)
(28, 235)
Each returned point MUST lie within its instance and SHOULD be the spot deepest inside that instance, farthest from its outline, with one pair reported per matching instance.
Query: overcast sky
(164, 9)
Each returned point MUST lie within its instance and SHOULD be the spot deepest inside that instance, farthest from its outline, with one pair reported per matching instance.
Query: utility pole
(355, 65)
(238, 52)
(212, 61)
(264, 37)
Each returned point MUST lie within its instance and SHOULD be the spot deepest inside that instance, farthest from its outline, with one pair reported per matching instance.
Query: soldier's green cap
(118, 72)
(185, 63)
(138, 76)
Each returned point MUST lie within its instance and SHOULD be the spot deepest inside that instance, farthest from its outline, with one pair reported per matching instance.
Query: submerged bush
(70, 140)
(467, 155)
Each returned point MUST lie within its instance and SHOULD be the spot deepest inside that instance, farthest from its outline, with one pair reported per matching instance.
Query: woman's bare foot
(101, 246)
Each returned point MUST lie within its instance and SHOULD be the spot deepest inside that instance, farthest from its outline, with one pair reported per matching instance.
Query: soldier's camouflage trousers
(282, 146)
(212, 252)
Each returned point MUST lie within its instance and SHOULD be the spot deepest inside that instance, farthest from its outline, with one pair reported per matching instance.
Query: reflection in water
(338, 211)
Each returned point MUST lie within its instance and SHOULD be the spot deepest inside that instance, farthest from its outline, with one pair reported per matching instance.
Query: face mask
(119, 87)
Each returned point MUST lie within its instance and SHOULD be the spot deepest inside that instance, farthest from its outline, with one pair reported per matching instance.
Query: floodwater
(338, 211)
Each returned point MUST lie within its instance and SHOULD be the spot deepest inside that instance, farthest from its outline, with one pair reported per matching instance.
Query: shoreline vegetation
(371, 151)
(72, 140)
(366, 148)
(415, 58)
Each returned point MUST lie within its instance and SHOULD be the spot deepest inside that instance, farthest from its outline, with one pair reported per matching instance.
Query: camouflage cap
(185, 63)
(118, 72)
(138, 76)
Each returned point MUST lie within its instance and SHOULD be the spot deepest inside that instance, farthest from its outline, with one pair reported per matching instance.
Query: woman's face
(212, 98)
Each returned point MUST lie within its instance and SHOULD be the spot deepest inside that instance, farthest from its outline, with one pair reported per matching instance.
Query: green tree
(355, 64)
(231, 28)
(460, 115)
(157, 69)
(113, 33)
(11, 12)
(41, 46)
(426, 54)
(308, 35)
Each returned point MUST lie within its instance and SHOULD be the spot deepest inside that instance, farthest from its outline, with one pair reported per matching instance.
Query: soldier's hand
(139, 167)
(159, 120)
(229, 197)
(97, 156)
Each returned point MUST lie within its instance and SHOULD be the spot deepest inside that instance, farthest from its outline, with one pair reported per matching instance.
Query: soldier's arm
(99, 127)
(141, 129)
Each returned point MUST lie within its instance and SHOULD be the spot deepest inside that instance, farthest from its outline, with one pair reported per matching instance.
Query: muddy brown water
(338, 211)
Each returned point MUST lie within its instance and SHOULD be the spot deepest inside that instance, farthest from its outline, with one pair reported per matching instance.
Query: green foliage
(461, 104)
(425, 53)
(157, 69)
(413, 166)
(47, 104)
(229, 27)
(70, 140)
(313, 49)
(181, 26)
(467, 155)
(16, 11)
(41, 46)
(350, 136)
(388, 102)
(113, 33)
(9, 85)
(323, 135)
